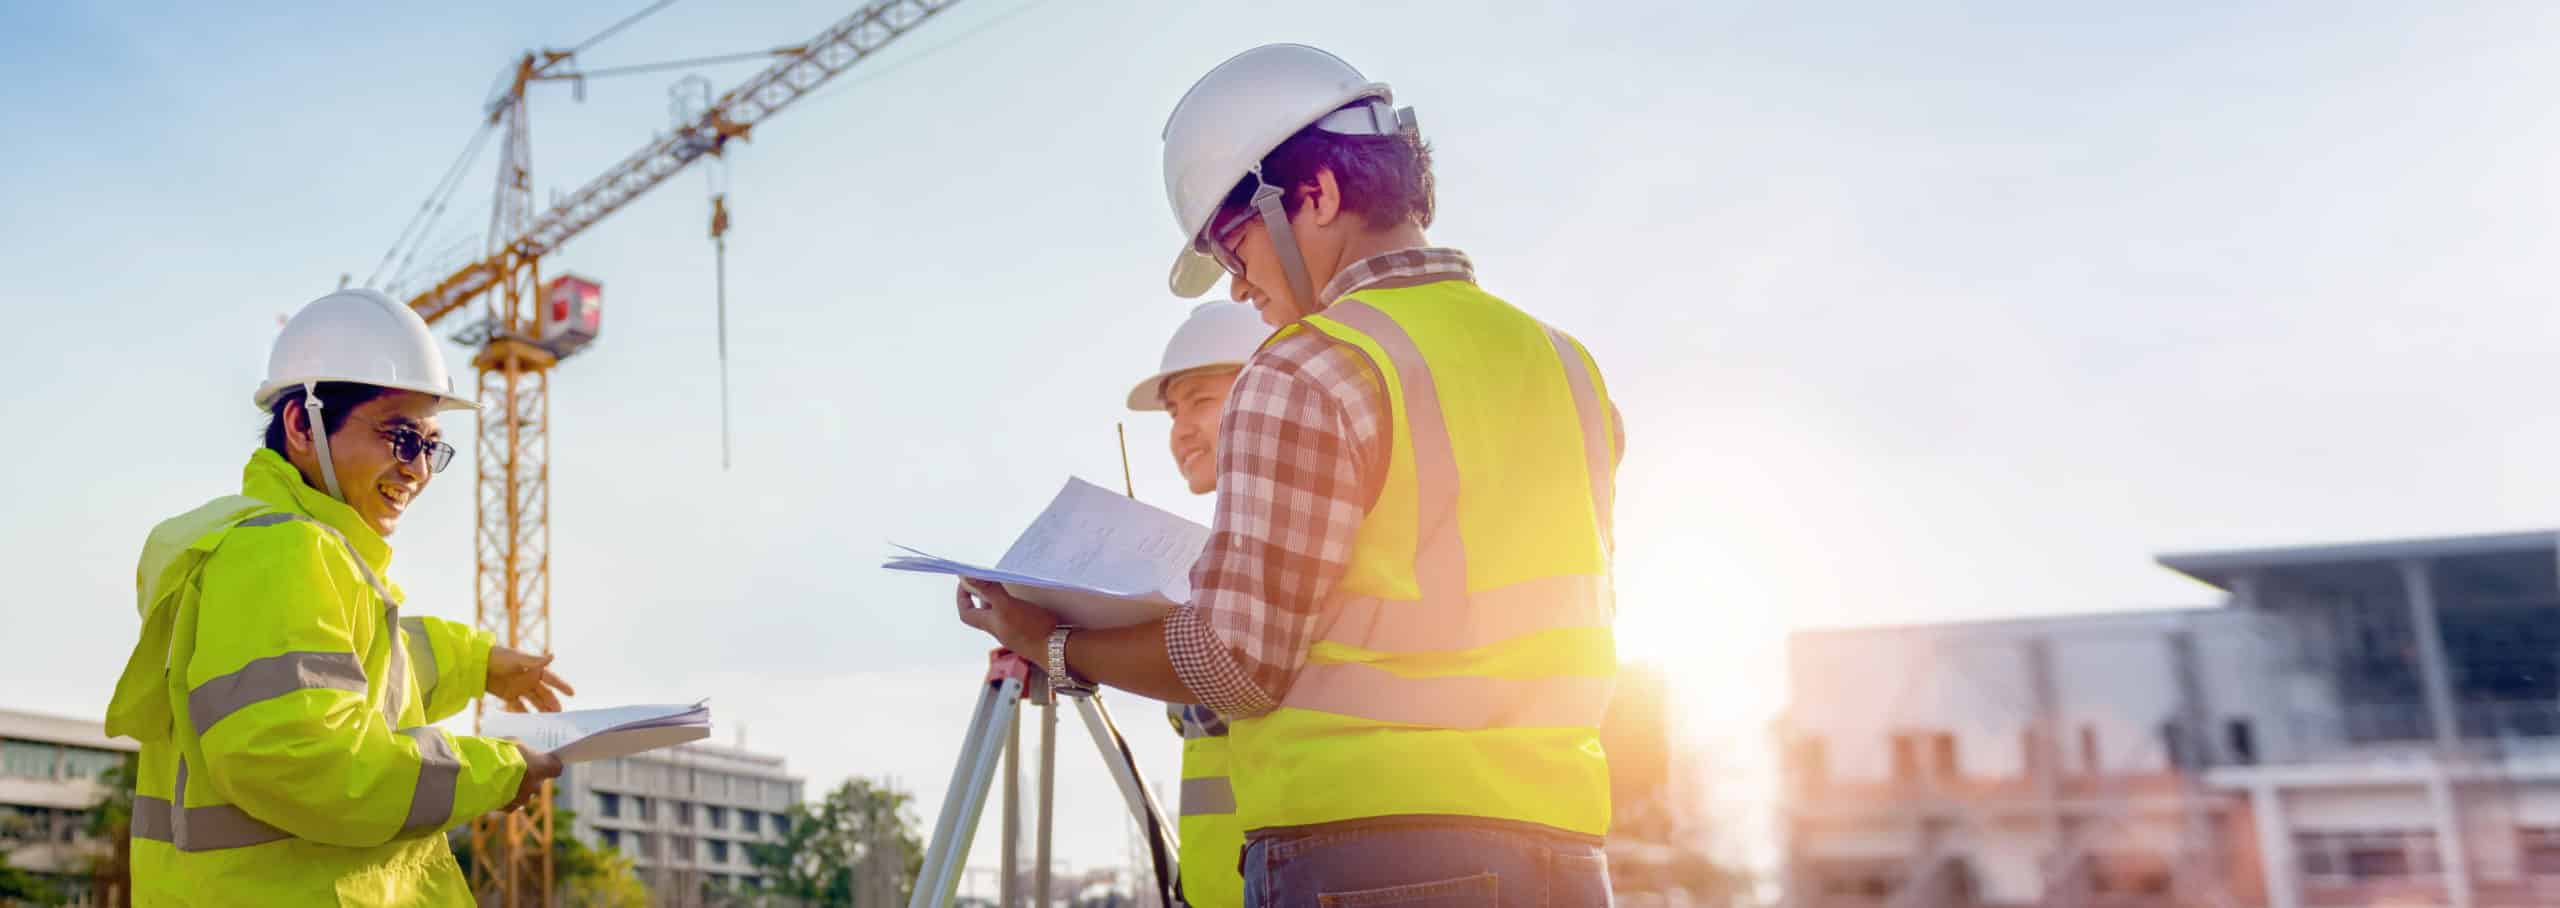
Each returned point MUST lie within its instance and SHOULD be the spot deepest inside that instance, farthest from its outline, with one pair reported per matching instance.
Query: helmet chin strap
(1275, 218)
(311, 410)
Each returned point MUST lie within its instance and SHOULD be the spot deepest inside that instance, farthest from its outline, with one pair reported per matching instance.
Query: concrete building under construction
(2362, 724)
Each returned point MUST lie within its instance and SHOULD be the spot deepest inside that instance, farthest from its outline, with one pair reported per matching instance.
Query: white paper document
(582, 735)
(1096, 557)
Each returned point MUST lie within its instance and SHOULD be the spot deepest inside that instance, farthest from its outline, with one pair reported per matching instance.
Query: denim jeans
(1424, 866)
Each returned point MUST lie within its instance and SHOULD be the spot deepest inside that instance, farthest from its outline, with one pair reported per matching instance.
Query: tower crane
(520, 337)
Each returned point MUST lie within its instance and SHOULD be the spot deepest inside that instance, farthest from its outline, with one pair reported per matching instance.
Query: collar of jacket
(269, 478)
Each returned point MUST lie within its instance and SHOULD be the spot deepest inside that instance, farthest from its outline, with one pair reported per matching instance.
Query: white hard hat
(363, 337)
(1217, 334)
(1239, 112)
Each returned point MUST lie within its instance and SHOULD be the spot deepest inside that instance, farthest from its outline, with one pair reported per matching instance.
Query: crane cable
(422, 223)
(619, 26)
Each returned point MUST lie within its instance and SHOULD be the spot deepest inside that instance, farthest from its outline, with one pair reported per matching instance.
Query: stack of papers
(1096, 557)
(582, 735)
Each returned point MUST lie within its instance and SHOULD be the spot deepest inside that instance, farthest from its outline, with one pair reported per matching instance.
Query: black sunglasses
(407, 445)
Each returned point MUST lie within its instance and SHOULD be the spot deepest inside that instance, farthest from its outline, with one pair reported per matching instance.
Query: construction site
(1912, 322)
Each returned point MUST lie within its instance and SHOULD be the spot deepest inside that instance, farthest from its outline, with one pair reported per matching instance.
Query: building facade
(52, 778)
(684, 815)
(2364, 724)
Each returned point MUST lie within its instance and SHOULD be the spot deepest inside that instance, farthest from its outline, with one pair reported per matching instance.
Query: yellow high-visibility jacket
(283, 705)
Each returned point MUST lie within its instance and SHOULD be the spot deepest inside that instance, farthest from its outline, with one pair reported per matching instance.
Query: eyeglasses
(408, 445)
(1219, 240)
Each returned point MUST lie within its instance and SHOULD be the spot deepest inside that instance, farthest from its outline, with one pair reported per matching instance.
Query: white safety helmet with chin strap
(1234, 116)
(1218, 334)
(359, 337)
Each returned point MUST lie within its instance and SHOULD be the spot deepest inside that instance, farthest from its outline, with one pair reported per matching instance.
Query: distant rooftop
(50, 729)
(2222, 569)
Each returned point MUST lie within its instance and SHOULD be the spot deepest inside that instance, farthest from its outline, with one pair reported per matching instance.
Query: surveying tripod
(993, 732)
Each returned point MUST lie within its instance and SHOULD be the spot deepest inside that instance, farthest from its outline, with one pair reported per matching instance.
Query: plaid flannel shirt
(1302, 453)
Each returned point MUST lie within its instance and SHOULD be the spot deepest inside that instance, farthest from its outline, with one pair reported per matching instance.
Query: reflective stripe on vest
(1207, 795)
(1467, 655)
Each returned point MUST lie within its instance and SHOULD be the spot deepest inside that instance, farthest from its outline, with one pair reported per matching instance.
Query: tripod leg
(948, 852)
(1048, 796)
(1142, 804)
(1009, 846)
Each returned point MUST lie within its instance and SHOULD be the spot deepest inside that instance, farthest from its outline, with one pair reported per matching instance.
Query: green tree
(111, 875)
(858, 846)
(610, 882)
(573, 863)
(18, 886)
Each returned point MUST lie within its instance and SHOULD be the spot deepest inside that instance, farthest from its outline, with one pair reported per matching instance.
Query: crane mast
(512, 535)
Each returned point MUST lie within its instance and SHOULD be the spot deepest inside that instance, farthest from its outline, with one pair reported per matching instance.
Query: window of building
(781, 824)
(2354, 857)
(684, 813)
(608, 804)
(1808, 760)
(2173, 744)
(720, 880)
(26, 759)
(2241, 741)
(612, 838)
(2127, 874)
(1942, 755)
(648, 845)
(648, 811)
(719, 816)
(750, 820)
(719, 851)
(1906, 758)
(2539, 850)
(680, 848)
(89, 763)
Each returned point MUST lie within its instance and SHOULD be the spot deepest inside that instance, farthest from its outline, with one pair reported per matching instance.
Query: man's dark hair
(338, 400)
(1384, 179)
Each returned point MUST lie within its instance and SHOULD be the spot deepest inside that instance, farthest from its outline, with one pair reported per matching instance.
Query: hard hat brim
(1193, 274)
(1148, 396)
(446, 400)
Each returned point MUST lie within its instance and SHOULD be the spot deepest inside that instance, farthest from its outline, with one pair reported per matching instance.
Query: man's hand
(520, 679)
(539, 767)
(1017, 625)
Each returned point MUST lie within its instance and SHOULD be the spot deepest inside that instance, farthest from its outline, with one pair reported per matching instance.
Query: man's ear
(297, 428)
(1324, 197)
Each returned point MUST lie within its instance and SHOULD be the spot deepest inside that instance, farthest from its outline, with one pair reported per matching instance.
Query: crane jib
(847, 42)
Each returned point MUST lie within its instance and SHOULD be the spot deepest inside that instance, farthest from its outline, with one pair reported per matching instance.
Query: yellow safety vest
(283, 707)
(1467, 654)
(1212, 838)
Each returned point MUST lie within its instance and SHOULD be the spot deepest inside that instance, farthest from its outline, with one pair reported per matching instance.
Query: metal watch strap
(1061, 679)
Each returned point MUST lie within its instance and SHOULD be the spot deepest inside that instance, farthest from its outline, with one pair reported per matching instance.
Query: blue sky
(1914, 314)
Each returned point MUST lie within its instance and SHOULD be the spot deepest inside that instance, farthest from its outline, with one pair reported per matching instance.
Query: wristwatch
(1060, 678)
